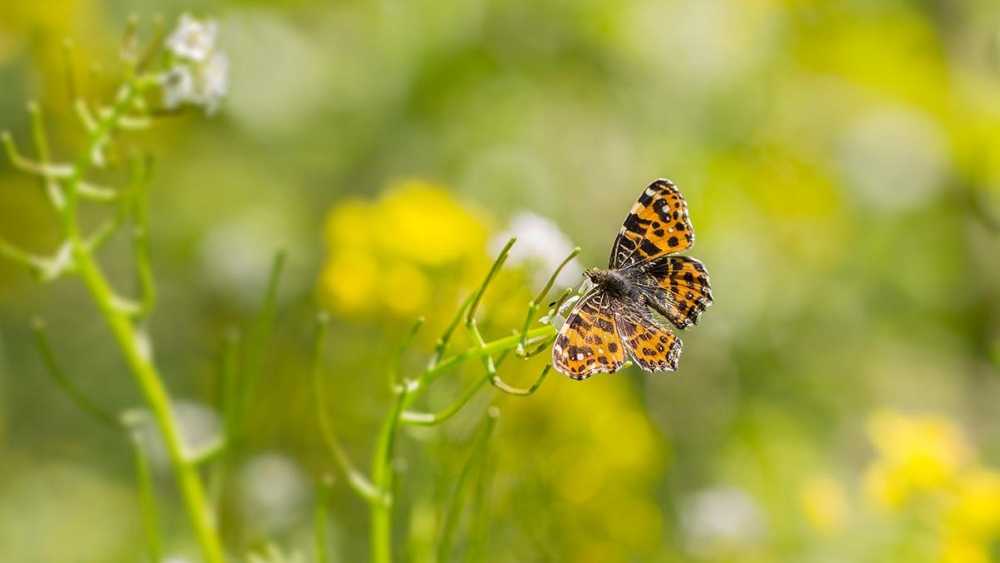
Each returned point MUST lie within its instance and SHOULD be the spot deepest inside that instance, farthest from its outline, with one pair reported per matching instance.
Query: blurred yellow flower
(916, 454)
(964, 550)
(405, 289)
(421, 222)
(350, 224)
(349, 280)
(824, 504)
(976, 510)
(387, 255)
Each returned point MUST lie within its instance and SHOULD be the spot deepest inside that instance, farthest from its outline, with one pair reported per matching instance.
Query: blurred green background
(841, 161)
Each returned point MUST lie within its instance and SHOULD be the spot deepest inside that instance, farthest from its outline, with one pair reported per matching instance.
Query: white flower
(721, 519)
(200, 73)
(193, 39)
(541, 246)
(178, 86)
(214, 82)
(274, 493)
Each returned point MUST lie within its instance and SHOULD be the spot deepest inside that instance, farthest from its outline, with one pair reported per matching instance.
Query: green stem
(430, 419)
(137, 356)
(147, 498)
(319, 521)
(258, 339)
(134, 344)
(74, 393)
(454, 509)
(497, 345)
(382, 479)
(355, 478)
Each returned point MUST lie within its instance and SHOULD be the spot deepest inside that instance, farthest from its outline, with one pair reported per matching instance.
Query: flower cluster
(925, 471)
(394, 254)
(198, 73)
(926, 465)
(916, 455)
(416, 247)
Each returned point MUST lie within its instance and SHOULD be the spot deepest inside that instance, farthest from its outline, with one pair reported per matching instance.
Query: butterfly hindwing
(588, 341)
(653, 347)
(677, 287)
(657, 225)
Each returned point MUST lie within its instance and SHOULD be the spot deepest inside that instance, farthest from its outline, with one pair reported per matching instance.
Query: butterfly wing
(677, 287)
(588, 341)
(657, 225)
(653, 347)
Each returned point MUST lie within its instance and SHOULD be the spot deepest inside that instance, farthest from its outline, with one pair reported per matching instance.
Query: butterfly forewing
(653, 347)
(657, 225)
(588, 341)
(677, 287)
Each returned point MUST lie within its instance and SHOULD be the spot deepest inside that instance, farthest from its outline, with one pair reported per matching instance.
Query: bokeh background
(841, 160)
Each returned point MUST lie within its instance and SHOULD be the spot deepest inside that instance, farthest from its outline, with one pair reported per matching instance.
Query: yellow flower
(350, 224)
(824, 504)
(385, 255)
(421, 222)
(916, 454)
(976, 511)
(349, 281)
(405, 289)
(964, 550)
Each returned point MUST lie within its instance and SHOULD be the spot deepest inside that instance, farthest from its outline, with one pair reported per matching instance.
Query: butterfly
(614, 317)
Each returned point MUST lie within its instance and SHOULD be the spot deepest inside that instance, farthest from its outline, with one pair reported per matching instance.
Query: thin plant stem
(442, 343)
(30, 166)
(228, 392)
(319, 521)
(470, 314)
(355, 478)
(382, 479)
(555, 274)
(477, 534)
(258, 338)
(454, 509)
(134, 344)
(35, 264)
(491, 368)
(498, 345)
(430, 419)
(72, 391)
(147, 498)
(469, 306)
(538, 300)
(52, 190)
(392, 372)
(109, 229)
(143, 262)
(150, 383)
(511, 390)
(229, 389)
(69, 62)
(159, 33)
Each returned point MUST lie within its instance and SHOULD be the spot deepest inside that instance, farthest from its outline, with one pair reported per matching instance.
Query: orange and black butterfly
(614, 317)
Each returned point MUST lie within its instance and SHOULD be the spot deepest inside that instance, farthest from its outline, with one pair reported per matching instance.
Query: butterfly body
(615, 282)
(614, 317)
